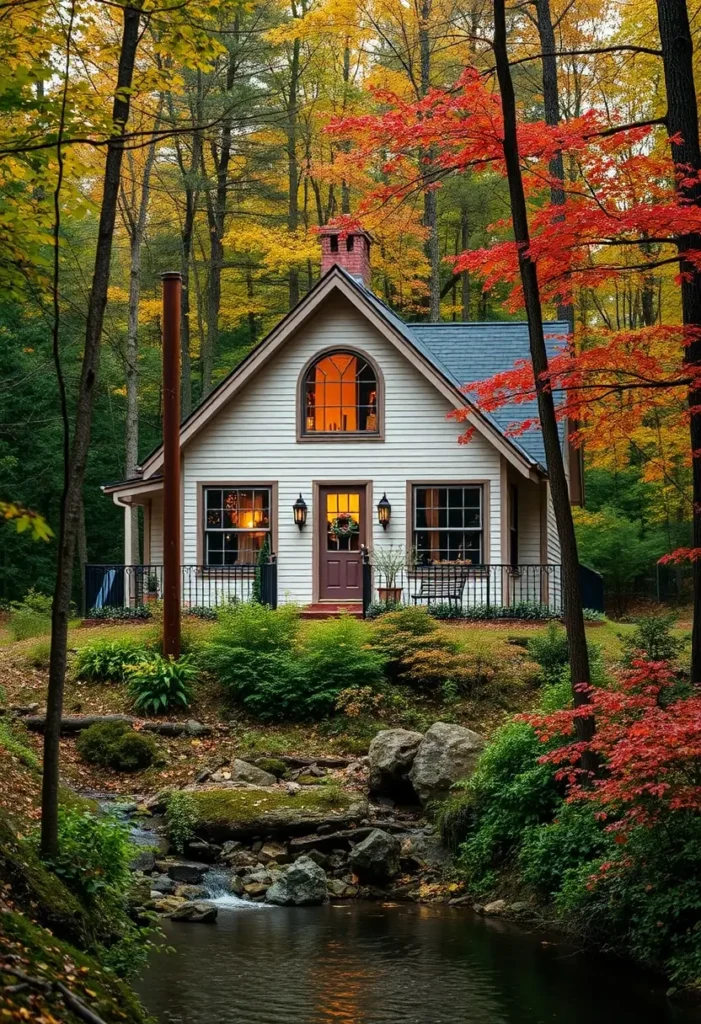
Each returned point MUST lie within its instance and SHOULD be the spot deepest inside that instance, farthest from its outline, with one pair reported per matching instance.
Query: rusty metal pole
(172, 285)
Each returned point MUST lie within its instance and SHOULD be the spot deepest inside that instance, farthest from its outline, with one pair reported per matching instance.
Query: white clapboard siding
(253, 439)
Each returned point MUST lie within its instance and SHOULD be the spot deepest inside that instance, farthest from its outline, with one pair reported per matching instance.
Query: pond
(373, 963)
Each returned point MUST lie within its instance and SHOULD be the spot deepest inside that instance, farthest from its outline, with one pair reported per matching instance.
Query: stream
(375, 963)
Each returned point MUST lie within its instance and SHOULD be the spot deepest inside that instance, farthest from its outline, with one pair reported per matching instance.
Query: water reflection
(362, 964)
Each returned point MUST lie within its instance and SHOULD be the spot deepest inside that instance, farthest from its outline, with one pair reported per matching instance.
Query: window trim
(485, 485)
(340, 436)
(204, 485)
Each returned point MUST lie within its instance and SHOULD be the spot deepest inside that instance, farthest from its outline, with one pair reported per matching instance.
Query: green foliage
(105, 660)
(181, 819)
(527, 610)
(550, 651)
(509, 791)
(551, 851)
(197, 611)
(39, 655)
(158, 684)
(93, 860)
(262, 559)
(377, 608)
(409, 634)
(653, 639)
(643, 897)
(34, 601)
(335, 654)
(136, 613)
(619, 549)
(26, 623)
(12, 743)
(116, 745)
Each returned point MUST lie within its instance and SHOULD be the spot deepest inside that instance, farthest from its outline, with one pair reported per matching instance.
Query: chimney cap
(330, 230)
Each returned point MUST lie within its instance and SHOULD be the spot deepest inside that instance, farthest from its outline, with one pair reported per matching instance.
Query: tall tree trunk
(136, 225)
(74, 465)
(551, 102)
(292, 166)
(217, 208)
(683, 130)
(573, 615)
(464, 276)
(430, 196)
(345, 146)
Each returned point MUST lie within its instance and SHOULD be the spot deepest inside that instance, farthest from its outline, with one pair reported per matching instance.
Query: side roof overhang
(387, 323)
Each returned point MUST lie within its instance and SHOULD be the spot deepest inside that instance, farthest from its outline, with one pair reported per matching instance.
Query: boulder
(236, 885)
(376, 858)
(187, 871)
(273, 852)
(391, 756)
(242, 771)
(198, 849)
(495, 908)
(192, 892)
(254, 889)
(145, 861)
(302, 884)
(197, 912)
(447, 753)
(163, 885)
(424, 853)
(167, 904)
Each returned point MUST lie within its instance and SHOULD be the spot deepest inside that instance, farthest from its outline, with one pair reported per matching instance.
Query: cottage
(326, 466)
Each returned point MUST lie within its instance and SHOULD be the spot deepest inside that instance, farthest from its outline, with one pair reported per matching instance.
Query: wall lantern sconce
(384, 512)
(300, 512)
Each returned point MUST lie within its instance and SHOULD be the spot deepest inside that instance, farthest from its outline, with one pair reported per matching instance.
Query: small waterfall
(217, 882)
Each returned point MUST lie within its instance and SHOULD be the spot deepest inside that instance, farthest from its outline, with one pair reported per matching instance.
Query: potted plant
(388, 563)
(151, 588)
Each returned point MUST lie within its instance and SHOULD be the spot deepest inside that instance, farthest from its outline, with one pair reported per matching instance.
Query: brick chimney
(352, 252)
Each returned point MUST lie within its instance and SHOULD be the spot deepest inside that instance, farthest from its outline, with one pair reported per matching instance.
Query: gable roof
(425, 344)
(476, 351)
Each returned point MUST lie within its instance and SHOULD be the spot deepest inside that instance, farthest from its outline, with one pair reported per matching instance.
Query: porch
(484, 591)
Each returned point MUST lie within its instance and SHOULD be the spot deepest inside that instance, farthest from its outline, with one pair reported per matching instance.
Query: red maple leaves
(647, 742)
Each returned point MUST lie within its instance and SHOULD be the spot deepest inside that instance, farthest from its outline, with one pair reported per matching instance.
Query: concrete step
(332, 611)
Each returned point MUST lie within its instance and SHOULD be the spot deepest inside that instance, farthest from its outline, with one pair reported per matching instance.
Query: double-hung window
(236, 523)
(448, 524)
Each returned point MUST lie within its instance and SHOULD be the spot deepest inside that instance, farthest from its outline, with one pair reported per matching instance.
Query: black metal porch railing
(480, 590)
(125, 586)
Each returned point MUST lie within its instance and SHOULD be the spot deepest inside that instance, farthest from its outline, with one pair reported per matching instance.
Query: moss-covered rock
(273, 765)
(51, 960)
(37, 891)
(223, 814)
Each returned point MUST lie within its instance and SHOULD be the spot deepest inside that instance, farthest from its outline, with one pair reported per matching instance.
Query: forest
(252, 125)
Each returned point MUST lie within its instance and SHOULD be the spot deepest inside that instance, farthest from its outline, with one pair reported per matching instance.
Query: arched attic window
(340, 395)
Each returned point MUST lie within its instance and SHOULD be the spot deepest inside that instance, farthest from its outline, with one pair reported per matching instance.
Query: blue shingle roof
(466, 352)
(476, 351)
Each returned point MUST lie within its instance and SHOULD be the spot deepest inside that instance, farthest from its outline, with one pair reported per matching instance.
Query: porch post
(129, 596)
(172, 285)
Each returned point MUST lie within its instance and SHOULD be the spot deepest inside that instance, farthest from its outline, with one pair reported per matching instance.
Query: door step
(332, 611)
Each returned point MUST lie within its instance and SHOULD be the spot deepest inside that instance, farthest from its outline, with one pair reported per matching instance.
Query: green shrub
(410, 640)
(25, 623)
(158, 684)
(509, 791)
(527, 610)
(39, 655)
(136, 613)
(116, 745)
(550, 651)
(35, 601)
(653, 640)
(93, 859)
(550, 852)
(643, 898)
(199, 611)
(336, 654)
(181, 819)
(108, 660)
(12, 743)
(377, 608)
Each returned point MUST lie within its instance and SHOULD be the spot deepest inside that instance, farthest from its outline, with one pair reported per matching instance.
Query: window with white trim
(448, 524)
(236, 523)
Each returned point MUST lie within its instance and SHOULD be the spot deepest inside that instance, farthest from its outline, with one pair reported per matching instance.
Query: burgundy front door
(340, 557)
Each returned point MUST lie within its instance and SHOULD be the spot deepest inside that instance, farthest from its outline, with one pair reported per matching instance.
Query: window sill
(342, 436)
